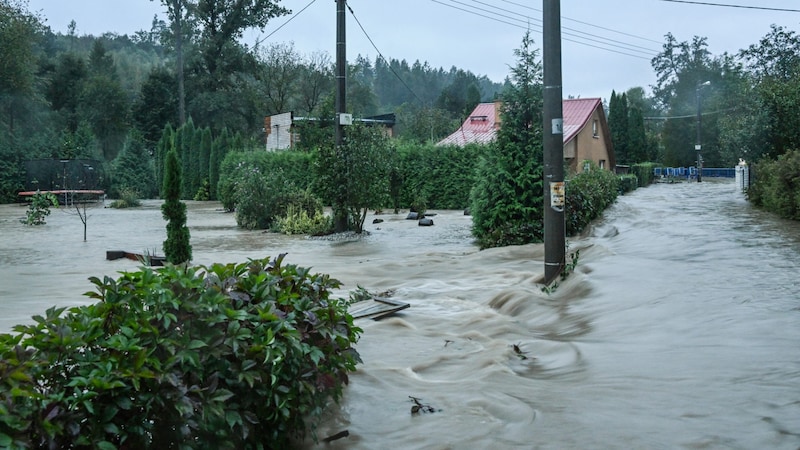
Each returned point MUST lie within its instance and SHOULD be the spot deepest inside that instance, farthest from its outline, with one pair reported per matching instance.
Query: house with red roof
(586, 134)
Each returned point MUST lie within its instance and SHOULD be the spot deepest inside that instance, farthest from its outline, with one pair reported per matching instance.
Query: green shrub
(588, 194)
(262, 198)
(776, 185)
(296, 168)
(298, 221)
(203, 192)
(129, 198)
(628, 183)
(225, 357)
(644, 173)
(39, 208)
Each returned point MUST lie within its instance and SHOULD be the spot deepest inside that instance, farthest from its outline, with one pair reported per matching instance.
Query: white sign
(558, 126)
(345, 119)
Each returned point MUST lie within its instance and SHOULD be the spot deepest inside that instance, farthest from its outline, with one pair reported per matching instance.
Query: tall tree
(65, 88)
(637, 151)
(357, 171)
(618, 126)
(681, 69)
(165, 144)
(18, 35)
(103, 102)
(222, 24)
(156, 105)
(179, 13)
(316, 81)
(774, 66)
(134, 169)
(507, 198)
(280, 71)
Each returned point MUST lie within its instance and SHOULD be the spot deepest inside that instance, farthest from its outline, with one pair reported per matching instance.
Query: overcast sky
(607, 44)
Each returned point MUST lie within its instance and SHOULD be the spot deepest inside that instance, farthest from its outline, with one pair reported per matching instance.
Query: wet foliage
(588, 194)
(39, 208)
(776, 186)
(228, 356)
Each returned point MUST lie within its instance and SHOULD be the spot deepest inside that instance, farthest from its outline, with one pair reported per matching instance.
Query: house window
(594, 128)
(587, 166)
(602, 164)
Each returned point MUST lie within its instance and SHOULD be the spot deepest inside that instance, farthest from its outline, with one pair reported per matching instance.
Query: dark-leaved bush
(226, 357)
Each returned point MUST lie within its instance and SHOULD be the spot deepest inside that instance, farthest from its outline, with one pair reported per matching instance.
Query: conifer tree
(177, 248)
(508, 198)
(163, 147)
(618, 126)
(637, 137)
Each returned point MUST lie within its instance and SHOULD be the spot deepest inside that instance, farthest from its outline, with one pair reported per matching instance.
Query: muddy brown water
(681, 328)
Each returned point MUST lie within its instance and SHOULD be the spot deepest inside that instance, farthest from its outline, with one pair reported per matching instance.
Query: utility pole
(698, 146)
(339, 210)
(553, 143)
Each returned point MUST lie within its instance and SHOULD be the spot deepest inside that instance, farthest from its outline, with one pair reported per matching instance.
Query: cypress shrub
(177, 248)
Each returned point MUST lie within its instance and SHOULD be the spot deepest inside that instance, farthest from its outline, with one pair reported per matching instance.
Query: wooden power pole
(553, 143)
(339, 210)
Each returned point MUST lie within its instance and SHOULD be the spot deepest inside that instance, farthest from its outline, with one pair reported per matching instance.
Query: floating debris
(421, 407)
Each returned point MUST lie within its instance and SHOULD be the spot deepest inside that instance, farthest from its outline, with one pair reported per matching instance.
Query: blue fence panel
(691, 172)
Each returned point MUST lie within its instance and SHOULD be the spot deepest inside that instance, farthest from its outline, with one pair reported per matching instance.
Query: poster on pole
(557, 195)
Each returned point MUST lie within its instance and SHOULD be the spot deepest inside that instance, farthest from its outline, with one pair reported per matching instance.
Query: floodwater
(680, 328)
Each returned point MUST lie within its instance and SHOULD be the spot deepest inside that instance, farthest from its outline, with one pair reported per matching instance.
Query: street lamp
(698, 146)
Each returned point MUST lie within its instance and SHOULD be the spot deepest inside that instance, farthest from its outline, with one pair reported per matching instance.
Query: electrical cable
(381, 55)
(595, 45)
(725, 5)
(285, 23)
(586, 23)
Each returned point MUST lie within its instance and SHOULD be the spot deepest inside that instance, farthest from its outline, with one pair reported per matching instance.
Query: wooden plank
(377, 308)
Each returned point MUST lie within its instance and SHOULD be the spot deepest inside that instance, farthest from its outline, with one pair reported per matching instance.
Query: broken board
(377, 308)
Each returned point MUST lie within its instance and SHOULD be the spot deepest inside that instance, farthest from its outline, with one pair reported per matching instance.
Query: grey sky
(481, 35)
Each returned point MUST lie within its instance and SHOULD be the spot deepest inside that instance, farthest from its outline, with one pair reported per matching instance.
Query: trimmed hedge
(435, 177)
(225, 357)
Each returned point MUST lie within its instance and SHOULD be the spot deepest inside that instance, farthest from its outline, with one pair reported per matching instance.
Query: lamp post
(698, 146)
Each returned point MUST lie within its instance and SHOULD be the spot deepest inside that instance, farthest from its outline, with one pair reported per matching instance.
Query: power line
(725, 5)
(381, 55)
(596, 44)
(586, 23)
(633, 47)
(293, 16)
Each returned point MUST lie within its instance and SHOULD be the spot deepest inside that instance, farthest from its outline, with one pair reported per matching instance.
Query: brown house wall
(587, 145)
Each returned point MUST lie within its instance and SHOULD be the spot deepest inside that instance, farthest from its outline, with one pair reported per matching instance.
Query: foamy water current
(680, 328)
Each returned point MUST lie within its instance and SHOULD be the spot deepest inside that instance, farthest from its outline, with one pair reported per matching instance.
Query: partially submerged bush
(128, 198)
(39, 208)
(628, 183)
(226, 357)
(298, 221)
